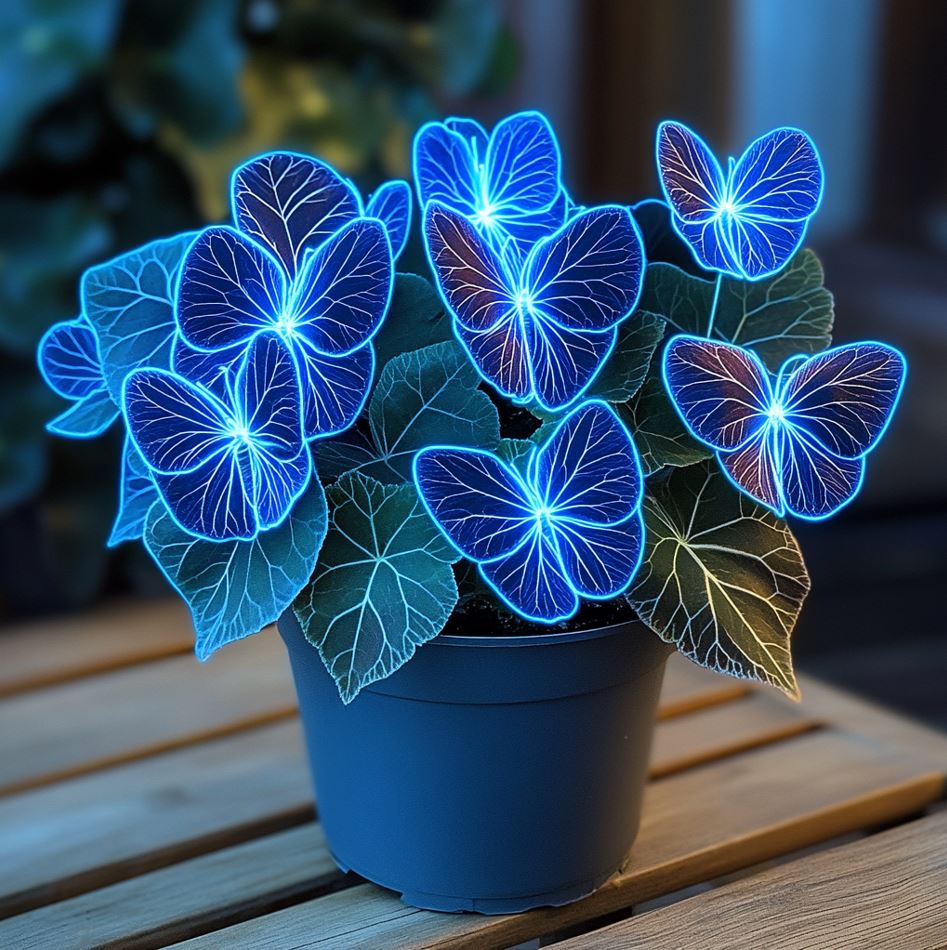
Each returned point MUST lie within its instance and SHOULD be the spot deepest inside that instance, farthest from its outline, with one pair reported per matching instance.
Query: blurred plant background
(121, 123)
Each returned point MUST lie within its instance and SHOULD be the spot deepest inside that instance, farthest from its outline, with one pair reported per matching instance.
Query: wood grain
(688, 688)
(91, 831)
(152, 812)
(77, 727)
(697, 825)
(889, 890)
(64, 648)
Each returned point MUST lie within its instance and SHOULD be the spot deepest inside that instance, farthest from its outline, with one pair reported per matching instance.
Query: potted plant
(533, 482)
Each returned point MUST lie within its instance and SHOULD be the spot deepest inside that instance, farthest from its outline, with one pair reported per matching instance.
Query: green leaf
(383, 584)
(658, 431)
(235, 588)
(788, 313)
(416, 318)
(626, 369)
(422, 398)
(723, 578)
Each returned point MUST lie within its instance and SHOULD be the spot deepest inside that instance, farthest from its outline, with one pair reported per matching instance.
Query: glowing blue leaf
(87, 418)
(845, 397)
(445, 168)
(137, 495)
(129, 302)
(383, 584)
(691, 178)
(500, 355)
(343, 289)
(546, 332)
(69, 359)
(291, 203)
(479, 501)
(391, 203)
(235, 588)
(798, 446)
(531, 580)
(523, 165)
(587, 276)
(229, 468)
(564, 362)
(526, 230)
(722, 392)
(571, 527)
(752, 220)
(213, 369)
(778, 177)
(588, 469)
(230, 288)
(601, 560)
(475, 284)
(334, 387)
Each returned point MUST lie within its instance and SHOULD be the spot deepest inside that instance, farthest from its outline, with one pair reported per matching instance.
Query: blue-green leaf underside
(788, 313)
(723, 578)
(416, 318)
(424, 397)
(383, 584)
(235, 588)
(130, 303)
(138, 493)
(85, 418)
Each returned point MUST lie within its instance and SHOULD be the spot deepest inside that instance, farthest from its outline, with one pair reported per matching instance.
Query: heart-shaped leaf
(658, 431)
(130, 303)
(235, 588)
(788, 313)
(627, 367)
(425, 397)
(722, 579)
(383, 584)
(416, 318)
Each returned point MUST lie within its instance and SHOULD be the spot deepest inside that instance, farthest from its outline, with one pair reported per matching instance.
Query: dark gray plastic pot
(489, 774)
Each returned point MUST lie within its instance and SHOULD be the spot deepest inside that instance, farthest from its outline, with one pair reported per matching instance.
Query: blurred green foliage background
(120, 123)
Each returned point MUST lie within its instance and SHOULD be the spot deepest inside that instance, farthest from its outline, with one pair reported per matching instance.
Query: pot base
(489, 906)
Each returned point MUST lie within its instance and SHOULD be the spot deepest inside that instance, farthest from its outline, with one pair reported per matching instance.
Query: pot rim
(534, 639)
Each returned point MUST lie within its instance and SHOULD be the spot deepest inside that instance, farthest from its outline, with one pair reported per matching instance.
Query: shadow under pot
(488, 774)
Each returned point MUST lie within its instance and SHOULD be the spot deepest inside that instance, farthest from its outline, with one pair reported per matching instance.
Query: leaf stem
(713, 306)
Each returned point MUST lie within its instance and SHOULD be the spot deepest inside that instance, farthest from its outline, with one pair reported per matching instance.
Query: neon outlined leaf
(291, 203)
(129, 301)
(723, 579)
(137, 494)
(419, 396)
(235, 588)
(383, 584)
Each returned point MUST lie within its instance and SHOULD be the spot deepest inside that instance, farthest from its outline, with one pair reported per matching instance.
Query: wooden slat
(698, 825)
(888, 891)
(73, 836)
(102, 720)
(53, 651)
(73, 728)
(748, 722)
(688, 687)
(146, 814)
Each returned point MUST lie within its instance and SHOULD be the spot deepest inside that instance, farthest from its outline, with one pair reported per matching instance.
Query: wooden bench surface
(147, 800)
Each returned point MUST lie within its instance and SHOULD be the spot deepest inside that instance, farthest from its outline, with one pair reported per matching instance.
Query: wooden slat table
(147, 800)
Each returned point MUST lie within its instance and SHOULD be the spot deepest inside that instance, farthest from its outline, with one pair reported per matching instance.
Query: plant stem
(713, 306)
